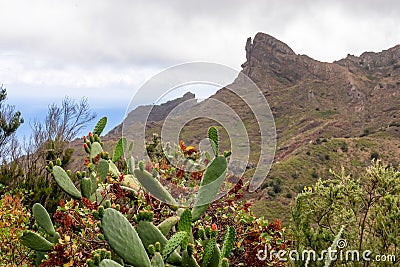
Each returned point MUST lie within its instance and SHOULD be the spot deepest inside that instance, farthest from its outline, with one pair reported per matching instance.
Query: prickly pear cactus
(123, 238)
(185, 222)
(102, 170)
(101, 124)
(208, 252)
(153, 186)
(209, 186)
(150, 234)
(65, 182)
(213, 136)
(119, 149)
(36, 242)
(227, 244)
(109, 263)
(42, 218)
(166, 226)
(173, 243)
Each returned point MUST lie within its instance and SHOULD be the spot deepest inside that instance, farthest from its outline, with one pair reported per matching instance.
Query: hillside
(327, 115)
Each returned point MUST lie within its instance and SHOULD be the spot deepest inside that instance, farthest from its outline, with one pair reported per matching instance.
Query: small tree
(49, 141)
(10, 120)
(368, 208)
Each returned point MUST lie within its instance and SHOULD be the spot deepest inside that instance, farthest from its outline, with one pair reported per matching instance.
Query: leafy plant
(113, 211)
(14, 220)
(368, 207)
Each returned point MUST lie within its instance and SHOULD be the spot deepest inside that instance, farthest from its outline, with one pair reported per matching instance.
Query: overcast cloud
(106, 49)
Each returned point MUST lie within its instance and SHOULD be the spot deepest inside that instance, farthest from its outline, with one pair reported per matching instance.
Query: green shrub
(367, 207)
(14, 219)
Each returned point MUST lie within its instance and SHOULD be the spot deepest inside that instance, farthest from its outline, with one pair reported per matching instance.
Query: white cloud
(98, 46)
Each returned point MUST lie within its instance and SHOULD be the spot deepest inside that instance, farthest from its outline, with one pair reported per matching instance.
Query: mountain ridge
(327, 115)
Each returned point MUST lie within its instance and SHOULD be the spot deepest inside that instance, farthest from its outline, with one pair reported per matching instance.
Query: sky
(105, 50)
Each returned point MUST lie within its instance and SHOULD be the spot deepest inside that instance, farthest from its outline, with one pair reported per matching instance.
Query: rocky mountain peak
(271, 44)
(263, 48)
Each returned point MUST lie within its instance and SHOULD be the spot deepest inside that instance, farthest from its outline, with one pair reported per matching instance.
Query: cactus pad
(42, 218)
(98, 129)
(123, 238)
(210, 185)
(35, 241)
(153, 186)
(65, 182)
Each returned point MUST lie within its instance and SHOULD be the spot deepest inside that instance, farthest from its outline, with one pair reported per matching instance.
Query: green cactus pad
(65, 182)
(119, 149)
(101, 124)
(94, 181)
(208, 252)
(95, 149)
(210, 184)
(173, 243)
(153, 186)
(166, 226)
(123, 238)
(86, 187)
(188, 260)
(157, 260)
(227, 244)
(185, 222)
(213, 136)
(130, 162)
(102, 170)
(215, 259)
(150, 234)
(36, 242)
(42, 218)
(39, 257)
(113, 169)
(109, 263)
(224, 262)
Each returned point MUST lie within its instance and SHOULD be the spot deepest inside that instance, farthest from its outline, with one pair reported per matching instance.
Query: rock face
(356, 92)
